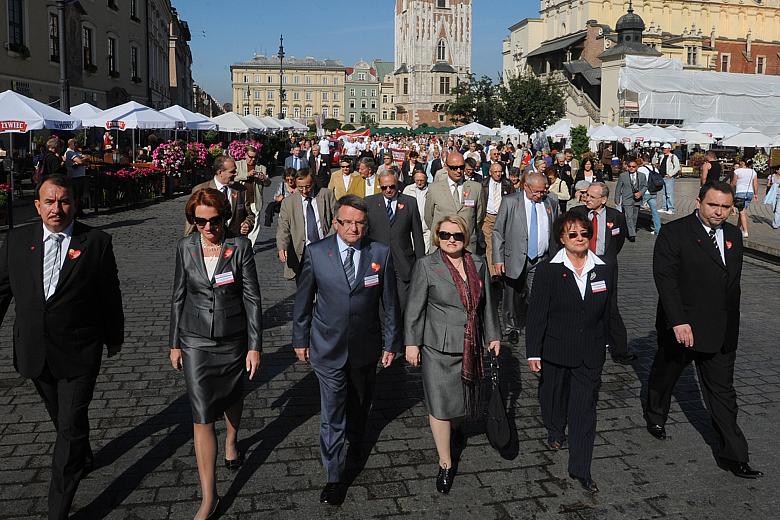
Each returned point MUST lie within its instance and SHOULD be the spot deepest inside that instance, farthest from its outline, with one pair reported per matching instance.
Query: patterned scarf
(470, 292)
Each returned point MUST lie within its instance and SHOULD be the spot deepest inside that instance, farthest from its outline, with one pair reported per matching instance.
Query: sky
(231, 31)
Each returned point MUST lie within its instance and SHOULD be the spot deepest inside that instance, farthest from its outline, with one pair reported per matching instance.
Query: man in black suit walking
(609, 235)
(63, 276)
(394, 219)
(697, 265)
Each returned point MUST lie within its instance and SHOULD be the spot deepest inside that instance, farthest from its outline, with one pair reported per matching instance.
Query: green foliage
(579, 140)
(475, 100)
(312, 128)
(331, 125)
(269, 112)
(531, 104)
(348, 127)
(366, 121)
(211, 136)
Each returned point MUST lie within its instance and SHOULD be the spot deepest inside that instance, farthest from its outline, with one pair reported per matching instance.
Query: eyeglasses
(350, 223)
(573, 234)
(459, 237)
(251, 156)
(344, 166)
(387, 188)
(456, 167)
(214, 221)
(632, 166)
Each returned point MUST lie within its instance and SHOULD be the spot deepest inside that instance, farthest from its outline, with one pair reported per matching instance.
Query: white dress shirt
(343, 252)
(494, 197)
(718, 238)
(393, 203)
(544, 225)
(64, 246)
(346, 179)
(229, 190)
(421, 195)
(601, 238)
(451, 184)
(306, 220)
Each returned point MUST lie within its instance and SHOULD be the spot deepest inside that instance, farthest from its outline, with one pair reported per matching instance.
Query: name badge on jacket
(598, 286)
(370, 281)
(224, 278)
(615, 231)
(469, 203)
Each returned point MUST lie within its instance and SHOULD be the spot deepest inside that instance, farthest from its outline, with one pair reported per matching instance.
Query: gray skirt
(445, 396)
(214, 374)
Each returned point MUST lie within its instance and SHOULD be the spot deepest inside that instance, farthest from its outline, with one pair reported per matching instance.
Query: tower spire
(630, 7)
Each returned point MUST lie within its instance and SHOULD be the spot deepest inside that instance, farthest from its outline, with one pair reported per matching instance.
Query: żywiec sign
(115, 125)
(13, 126)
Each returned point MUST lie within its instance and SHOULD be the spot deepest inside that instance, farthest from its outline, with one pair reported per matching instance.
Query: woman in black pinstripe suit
(566, 336)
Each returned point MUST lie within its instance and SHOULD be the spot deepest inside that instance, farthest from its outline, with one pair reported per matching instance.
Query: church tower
(432, 55)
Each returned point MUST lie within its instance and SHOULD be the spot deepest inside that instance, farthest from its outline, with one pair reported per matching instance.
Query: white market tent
(604, 133)
(294, 125)
(653, 134)
(132, 115)
(689, 135)
(192, 121)
(717, 128)
(560, 130)
(776, 140)
(272, 123)
(231, 122)
(84, 110)
(748, 138)
(254, 123)
(472, 129)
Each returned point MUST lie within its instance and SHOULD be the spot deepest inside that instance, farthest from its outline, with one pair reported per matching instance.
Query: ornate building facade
(432, 54)
(361, 94)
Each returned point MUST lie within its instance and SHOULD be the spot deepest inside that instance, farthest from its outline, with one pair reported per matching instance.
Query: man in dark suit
(342, 335)
(319, 168)
(295, 160)
(609, 235)
(394, 219)
(697, 265)
(242, 220)
(63, 276)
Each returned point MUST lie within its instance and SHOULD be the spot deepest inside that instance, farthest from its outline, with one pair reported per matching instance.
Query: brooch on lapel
(466, 194)
(549, 211)
(728, 244)
(592, 275)
(228, 252)
(73, 254)
(375, 266)
(401, 205)
(32, 248)
(565, 275)
(698, 241)
(610, 225)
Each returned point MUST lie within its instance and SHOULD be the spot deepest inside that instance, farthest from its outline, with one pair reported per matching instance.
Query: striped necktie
(349, 266)
(51, 263)
(714, 239)
(390, 212)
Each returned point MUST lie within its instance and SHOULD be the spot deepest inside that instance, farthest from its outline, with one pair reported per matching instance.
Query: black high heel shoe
(444, 480)
(234, 464)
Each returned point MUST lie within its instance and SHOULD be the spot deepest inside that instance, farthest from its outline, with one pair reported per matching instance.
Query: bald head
(455, 166)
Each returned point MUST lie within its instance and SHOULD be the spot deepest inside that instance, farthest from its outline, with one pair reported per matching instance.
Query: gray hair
(388, 173)
(603, 186)
(219, 162)
(535, 177)
(369, 162)
(559, 156)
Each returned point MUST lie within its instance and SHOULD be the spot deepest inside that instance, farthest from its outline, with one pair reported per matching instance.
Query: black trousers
(618, 342)
(716, 377)
(568, 396)
(271, 208)
(67, 401)
(78, 191)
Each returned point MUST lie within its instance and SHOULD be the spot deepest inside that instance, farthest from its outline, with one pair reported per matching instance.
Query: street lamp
(281, 75)
(64, 84)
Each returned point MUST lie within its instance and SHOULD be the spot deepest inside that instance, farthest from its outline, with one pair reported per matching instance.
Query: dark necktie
(390, 212)
(312, 234)
(349, 266)
(714, 239)
(595, 237)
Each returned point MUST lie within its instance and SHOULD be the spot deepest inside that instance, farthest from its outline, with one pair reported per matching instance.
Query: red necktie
(595, 237)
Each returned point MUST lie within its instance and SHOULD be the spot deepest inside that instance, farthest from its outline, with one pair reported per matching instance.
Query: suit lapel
(324, 226)
(196, 252)
(73, 255)
(442, 270)
(225, 254)
(705, 242)
(365, 261)
(36, 250)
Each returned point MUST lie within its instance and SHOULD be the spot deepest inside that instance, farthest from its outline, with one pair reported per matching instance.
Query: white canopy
(84, 110)
(192, 121)
(231, 122)
(717, 128)
(655, 134)
(472, 129)
(19, 114)
(689, 135)
(272, 123)
(776, 140)
(132, 115)
(750, 137)
(254, 123)
(295, 125)
(560, 130)
(604, 133)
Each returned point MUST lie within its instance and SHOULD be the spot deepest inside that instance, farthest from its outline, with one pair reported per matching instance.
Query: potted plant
(169, 157)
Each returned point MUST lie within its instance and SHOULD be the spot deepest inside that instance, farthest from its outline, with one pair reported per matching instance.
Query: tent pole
(11, 183)
(132, 159)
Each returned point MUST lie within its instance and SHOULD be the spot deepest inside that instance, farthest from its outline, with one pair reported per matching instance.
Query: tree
(474, 100)
(367, 121)
(579, 140)
(531, 104)
(348, 127)
(268, 112)
(331, 125)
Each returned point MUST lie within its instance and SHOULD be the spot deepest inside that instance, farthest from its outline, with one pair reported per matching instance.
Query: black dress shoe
(332, 494)
(214, 512)
(587, 484)
(444, 480)
(631, 239)
(657, 430)
(234, 464)
(514, 336)
(624, 359)
(739, 469)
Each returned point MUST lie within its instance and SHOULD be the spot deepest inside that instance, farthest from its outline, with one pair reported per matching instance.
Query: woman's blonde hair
(452, 219)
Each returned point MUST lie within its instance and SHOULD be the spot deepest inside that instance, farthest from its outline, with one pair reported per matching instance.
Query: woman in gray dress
(449, 320)
(215, 332)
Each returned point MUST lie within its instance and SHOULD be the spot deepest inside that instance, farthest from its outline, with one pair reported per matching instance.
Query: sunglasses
(457, 167)
(459, 237)
(573, 234)
(386, 188)
(214, 221)
(251, 156)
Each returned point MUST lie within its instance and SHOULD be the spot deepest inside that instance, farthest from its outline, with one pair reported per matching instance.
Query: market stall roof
(689, 135)
(19, 114)
(132, 115)
(748, 138)
(560, 130)
(84, 110)
(558, 44)
(295, 125)
(192, 120)
(605, 133)
(653, 134)
(254, 123)
(272, 123)
(231, 122)
(717, 128)
(472, 129)
(776, 140)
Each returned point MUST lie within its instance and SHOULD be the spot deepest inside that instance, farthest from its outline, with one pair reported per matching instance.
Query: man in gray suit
(522, 238)
(304, 217)
(631, 187)
(456, 197)
(338, 328)
(296, 161)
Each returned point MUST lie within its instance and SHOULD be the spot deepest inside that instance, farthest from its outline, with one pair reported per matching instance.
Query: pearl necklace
(215, 247)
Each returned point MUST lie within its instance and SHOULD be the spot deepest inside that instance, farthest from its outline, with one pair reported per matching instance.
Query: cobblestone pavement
(145, 465)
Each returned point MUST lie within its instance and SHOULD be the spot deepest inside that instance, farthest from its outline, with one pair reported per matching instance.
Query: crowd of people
(437, 260)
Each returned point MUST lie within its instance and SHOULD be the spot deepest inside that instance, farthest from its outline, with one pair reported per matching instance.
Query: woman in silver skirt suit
(449, 320)
(215, 331)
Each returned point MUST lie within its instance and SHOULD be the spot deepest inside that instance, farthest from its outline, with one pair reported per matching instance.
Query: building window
(308, 112)
(363, 92)
(134, 10)
(324, 80)
(351, 118)
(284, 111)
(324, 96)
(336, 81)
(406, 86)
(373, 92)
(760, 64)
(362, 103)
(258, 94)
(725, 62)
(384, 114)
(270, 96)
(384, 98)
(441, 118)
(86, 44)
(134, 63)
(307, 96)
(111, 55)
(351, 103)
(392, 116)
(257, 111)
(444, 85)
(296, 96)
(284, 79)
(296, 80)
(324, 112)
(246, 78)
(15, 23)
(246, 111)
(257, 78)
(270, 79)
(692, 53)
(307, 80)
(336, 112)
(112, 5)
(373, 103)
(335, 96)
(297, 112)
(362, 76)
(441, 3)
(54, 37)
(352, 92)
(441, 51)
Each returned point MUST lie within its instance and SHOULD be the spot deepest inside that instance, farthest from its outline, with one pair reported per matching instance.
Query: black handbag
(497, 422)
